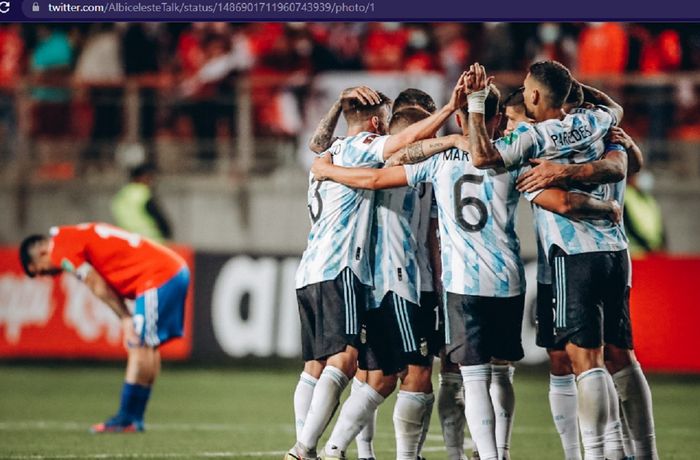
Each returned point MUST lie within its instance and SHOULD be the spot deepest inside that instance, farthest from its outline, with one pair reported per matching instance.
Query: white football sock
(593, 412)
(355, 413)
(323, 403)
(563, 397)
(635, 397)
(626, 435)
(503, 400)
(426, 421)
(409, 412)
(302, 399)
(365, 439)
(614, 448)
(451, 413)
(479, 409)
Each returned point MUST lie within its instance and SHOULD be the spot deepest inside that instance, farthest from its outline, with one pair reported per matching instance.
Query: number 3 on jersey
(461, 202)
(319, 202)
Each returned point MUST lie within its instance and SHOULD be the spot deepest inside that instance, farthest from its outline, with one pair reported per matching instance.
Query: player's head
(492, 115)
(574, 98)
(413, 97)
(35, 255)
(371, 118)
(545, 89)
(406, 117)
(514, 110)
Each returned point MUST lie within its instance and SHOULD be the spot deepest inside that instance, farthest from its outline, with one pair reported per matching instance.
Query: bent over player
(117, 265)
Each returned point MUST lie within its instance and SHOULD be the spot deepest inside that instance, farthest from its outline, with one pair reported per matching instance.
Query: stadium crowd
(186, 91)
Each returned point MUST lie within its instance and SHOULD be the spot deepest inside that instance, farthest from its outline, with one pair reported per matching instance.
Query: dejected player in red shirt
(118, 265)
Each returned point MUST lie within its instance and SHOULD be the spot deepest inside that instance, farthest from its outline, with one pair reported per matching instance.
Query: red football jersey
(130, 263)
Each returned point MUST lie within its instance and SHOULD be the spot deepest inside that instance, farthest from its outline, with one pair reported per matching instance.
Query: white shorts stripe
(399, 319)
(346, 300)
(411, 337)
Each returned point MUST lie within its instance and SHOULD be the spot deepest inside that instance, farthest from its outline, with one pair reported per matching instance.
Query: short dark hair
(555, 77)
(141, 170)
(514, 99)
(412, 97)
(406, 117)
(24, 248)
(355, 111)
(491, 105)
(575, 97)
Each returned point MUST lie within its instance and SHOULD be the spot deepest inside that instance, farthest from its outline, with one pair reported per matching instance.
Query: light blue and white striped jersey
(394, 244)
(578, 138)
(428, 210)
(480, 251)
(341, 216)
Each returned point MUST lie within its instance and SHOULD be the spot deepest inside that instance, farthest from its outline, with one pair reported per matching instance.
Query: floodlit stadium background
(225, 111)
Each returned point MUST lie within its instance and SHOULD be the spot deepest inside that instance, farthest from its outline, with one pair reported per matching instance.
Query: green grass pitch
(195, 413)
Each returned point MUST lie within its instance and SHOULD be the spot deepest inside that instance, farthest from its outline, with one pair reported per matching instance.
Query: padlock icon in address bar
(35, 7)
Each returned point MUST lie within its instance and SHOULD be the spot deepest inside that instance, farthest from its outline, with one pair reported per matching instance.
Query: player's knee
(617, 358)
(417, 379)
(314, 368)
(559, 362)
(584, 359)
(382, 384)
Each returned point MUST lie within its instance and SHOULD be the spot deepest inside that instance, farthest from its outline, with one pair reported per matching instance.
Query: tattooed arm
(419, 151)
(323, 135)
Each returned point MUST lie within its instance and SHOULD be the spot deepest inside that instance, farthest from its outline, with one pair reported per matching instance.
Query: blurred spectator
(420, 53)
(209, 54)
(337, 46)
(553, 41)
(141, 59)
(385, 46)
(100, 67)
(454, 48)
(642, 216)
(135, 209)
(11, 56)
(602, 49)
(50, 65)
(497, 46)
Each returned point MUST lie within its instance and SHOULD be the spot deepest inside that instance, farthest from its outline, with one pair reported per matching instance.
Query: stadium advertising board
(245, 306)
(60, 318)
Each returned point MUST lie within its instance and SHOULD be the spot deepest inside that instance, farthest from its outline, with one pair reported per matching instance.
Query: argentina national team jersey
(427, 210)
(394, 244)
(480, 250)
(578, 138)
(341, 216)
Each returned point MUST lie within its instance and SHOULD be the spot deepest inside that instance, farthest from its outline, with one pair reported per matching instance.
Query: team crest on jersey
(369, 139)
(424, 347)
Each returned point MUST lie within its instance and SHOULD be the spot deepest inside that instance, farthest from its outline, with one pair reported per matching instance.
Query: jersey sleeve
(421, 172)
(609, 147)
(517, 147)
(368, 149)
(66, 250)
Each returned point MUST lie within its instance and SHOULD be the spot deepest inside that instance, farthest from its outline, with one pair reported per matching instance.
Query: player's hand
(544, 174)
(619, 136)
(364, 94)
(476, 79)
(458, 97)
(131, 339)
(615, 212)
(319, 168)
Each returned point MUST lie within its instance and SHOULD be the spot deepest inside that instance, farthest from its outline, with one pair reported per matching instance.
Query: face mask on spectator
(419, 39)
(645, 181)
(549, 33)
